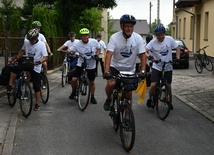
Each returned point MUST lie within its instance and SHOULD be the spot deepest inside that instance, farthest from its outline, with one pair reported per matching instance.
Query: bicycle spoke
(198, 65)
(44, 90)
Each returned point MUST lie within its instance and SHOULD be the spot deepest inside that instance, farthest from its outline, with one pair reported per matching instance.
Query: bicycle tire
(127, 127)
(163, 101)
(198, 65)
(83, 95)
(44, 90)
(208, 64)
(25, 98)
(115, 113)
(11, 97)
(64, 75)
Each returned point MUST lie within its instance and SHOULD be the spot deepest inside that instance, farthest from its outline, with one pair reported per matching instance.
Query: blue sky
(140, 9)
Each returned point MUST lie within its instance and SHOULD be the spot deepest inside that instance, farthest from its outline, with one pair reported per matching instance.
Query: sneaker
(9, 89)
(93, 100)
(106, 105)
(37, 107)
(149, 103)
(73, 95)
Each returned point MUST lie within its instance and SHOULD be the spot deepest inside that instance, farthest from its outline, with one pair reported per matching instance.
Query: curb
(201, 111)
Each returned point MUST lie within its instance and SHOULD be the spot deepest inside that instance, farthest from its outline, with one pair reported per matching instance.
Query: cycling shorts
(156, 75)
(91, 73)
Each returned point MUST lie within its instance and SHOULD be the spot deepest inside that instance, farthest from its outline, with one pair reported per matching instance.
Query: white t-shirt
(69, 43)
(125, 50)
(86, 50)
(102, 48)
(162, 51)
(38, 51)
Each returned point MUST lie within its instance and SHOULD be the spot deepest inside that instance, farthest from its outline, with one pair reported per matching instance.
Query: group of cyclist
(123, 49)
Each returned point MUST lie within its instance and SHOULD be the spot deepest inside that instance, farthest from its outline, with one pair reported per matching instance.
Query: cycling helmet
(36, 24)
(149, 38)
(71, 34)
(127, 19)
(84, 31)
(159, 29)
(32, 34)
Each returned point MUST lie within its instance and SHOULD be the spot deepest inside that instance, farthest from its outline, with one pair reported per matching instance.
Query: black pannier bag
(26, 63)
(5, 76)
(129, 81)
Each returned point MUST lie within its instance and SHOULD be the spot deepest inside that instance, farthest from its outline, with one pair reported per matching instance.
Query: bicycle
(65, 68)
(202, 61)
(83, 90)
(121, 112)
(44, 90)
(162, 98)
(22, 91)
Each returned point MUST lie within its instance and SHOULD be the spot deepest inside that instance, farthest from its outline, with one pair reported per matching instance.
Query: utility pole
(150, 10)
(158, 11)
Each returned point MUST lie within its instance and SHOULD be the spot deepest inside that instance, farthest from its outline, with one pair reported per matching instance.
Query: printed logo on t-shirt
(126, 51)
(164, 51)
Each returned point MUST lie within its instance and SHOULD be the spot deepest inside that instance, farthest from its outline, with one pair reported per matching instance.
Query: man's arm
(108, 60)
(178, 52)
(21, 52)
(143, 58)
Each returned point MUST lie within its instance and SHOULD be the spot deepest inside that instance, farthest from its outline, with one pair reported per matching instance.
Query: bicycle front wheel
(11, 97)
(208, 64)
(25, 98)
(44, 90)
(64, 75)
(198, 65)
(84, 92)
(115, 113)
(127, 127)
(163, 102)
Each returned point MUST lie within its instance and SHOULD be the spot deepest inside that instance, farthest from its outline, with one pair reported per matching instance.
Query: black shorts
(91, 73)
(156, 75)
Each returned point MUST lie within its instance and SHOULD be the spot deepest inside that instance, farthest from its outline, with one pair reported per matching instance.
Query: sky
(140, 10)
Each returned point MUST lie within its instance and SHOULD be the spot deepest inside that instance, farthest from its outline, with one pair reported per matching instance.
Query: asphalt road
(61, 128)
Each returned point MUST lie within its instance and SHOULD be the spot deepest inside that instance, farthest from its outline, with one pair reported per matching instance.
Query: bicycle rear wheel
(163, 102)
(208, 64)
(44, 90)
(84, 93)
(198, 65)
(11, 97)
(127, 127)
(25, 98)
(64, 75)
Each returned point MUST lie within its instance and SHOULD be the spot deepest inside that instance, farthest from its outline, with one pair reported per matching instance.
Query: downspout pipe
(193, 29)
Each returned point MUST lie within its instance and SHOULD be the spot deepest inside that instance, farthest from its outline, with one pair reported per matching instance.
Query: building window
(184, 28)
(206, 23)
(191, 28)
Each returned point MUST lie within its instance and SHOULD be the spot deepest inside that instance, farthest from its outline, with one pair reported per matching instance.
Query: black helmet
(32, 34)
(160, 29)
(71, 34)
(149, 38)
(127, 19)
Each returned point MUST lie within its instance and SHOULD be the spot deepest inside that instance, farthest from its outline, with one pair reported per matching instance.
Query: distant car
(184, 54)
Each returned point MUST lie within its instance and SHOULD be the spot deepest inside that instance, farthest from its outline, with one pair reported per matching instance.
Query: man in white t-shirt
(37, 49)
(68, 44)
(102, 53)
(122, 51)
(161, 49)
(88, 48)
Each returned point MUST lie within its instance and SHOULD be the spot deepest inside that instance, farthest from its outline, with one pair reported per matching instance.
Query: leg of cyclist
(45, 67)
(36, 78)
(91, 77)
(74, 81)
(102, 65)
(109, 89)
(155, 77)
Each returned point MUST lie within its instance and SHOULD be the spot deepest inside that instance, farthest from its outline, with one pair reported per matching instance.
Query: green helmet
(36, 24)
(84, 31)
